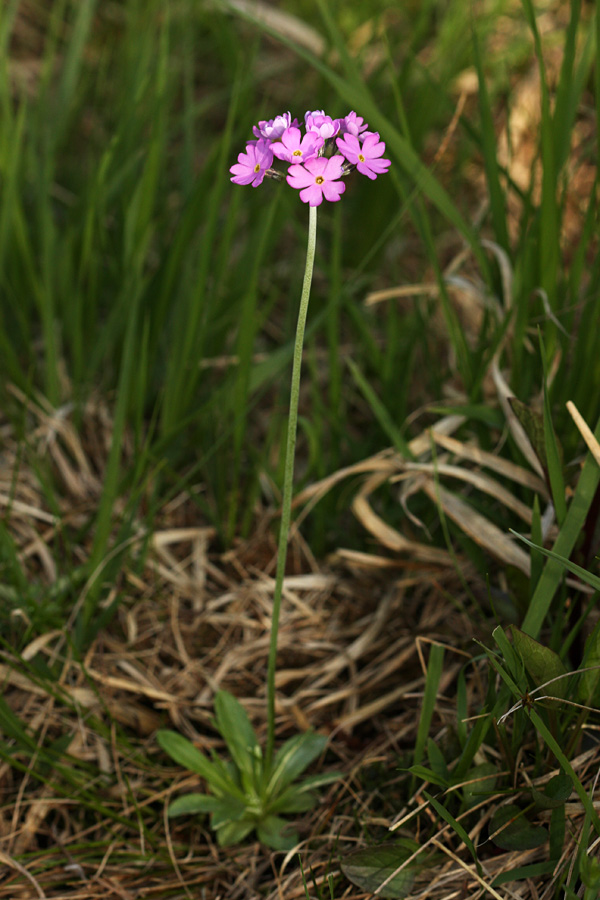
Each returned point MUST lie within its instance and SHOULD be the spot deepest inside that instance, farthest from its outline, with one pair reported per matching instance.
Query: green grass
(134, 275)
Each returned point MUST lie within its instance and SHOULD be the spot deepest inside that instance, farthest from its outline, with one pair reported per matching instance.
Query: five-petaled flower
(314, 164)
(253, 164)
(366, 156)
(294, 148)
(318, 178)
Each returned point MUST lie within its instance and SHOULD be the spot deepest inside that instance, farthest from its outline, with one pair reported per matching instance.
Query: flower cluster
(314, 168)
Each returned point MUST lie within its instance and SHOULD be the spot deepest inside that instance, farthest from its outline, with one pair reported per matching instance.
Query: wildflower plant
(253, 791)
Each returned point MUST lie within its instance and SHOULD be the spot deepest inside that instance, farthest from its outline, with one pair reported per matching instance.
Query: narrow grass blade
(489, 149)
(589, 479)
(379, 411)
(434, 673)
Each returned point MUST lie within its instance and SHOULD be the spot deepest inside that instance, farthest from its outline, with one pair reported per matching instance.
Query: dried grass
(191, 620)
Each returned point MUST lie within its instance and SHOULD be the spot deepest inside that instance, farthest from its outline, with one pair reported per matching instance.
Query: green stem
(288, 483)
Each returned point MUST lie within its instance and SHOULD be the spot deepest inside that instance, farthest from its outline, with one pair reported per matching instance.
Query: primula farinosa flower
(253, 164)
(323, 125)
(366, 156)
(318, 178)
(294, 148)
(313, 163)
(352, 124)
(274, 128)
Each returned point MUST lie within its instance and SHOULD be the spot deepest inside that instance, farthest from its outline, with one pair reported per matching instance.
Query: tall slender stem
(288, 483)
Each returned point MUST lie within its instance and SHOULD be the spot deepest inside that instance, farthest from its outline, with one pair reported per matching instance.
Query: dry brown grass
(353, 651)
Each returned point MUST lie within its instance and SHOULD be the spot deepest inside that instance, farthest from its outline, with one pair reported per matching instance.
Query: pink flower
(353, 124)
(318, 179)
(323, 125)
(273, 128)
(365, 157)
(294, 150)
(252, 165)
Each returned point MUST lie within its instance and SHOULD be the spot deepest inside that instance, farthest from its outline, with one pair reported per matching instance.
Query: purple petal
(298, 177)
(333, 168)
(312, 195)
(333, 190)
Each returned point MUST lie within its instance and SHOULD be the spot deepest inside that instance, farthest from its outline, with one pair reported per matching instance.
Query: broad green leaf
(555, 793)
(300, 797)
(293, 802)
(233, 833)
(229, 810)
(542, 663)
(192, 804)
(277, 833)
(293, 758)
(370, 867)
(184, 753)
(483, 781)
(516, 833)
(436, 759)
(239, 735)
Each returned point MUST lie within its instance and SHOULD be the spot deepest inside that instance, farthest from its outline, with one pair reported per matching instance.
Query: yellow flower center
(297, 153)
(361, 157)
(257, 167)
(319, 179)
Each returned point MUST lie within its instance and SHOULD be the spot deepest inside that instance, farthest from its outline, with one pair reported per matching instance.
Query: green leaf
(428, 775)
(233, 833)
(300, 797)
(517, 874)
(276, 833)
(436, 759)
(456, 826)
(434, 673)
(513, 661)
(588, 681)
(542, 663)
(483, 781)
(370, 867)
(516, 832)
(188, 756)
(570, 531)
(293, 802)
(553, 449)
(588, 577)
(292, 758)
(229, 810)
(239, 735)
(555, 793)
(192, 804)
